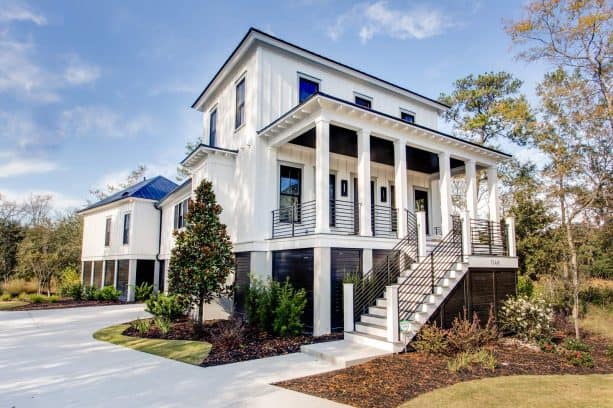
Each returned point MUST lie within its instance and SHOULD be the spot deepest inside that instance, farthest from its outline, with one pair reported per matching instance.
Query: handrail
(296, 220)
(422, 281)
(372, 284)
(488, 237)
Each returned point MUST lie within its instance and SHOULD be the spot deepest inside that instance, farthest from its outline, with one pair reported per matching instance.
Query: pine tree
(202, 258)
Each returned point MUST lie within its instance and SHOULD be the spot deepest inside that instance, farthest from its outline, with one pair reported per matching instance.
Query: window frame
(180, 210)
(283, 216)
(213, 132)
(107, 231)
(407, 112)
(126, 231)
(365, 98)
(239, 108)
(306, 77)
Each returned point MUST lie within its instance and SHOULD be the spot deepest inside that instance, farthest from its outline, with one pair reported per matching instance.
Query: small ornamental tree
(202, 257)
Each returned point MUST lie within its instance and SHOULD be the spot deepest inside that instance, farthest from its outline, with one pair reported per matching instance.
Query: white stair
(371, 329)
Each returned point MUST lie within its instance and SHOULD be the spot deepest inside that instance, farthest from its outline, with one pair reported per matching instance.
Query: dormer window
(240, 104)
(362, 101)
(307, 87)
(407, 116)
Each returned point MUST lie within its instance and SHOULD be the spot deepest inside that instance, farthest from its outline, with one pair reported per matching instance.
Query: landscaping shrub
(6, 297)
(577, 358)
(352, 277)
(467, 335)
(288, 314)
(465, 360)
(529, 320)
(553, 292)
(163, 324)
(573, 344)
(23, 296)
(275, 308)
(143, 292)
(170, 307)
(73, 291)
(69, 279)
(16, 286)
(597, 295)
(229, 334)
(90, 293)
(36, 298)
(109, 293)
(431, 339)
(609, 351)
(53, 299)
(142, 326)
(525, 286)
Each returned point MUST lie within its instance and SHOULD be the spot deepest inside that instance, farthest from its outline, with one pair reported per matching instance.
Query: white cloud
(174, 88)
(59, 201)
(13, 166)
(370, 19)
(84, 121)
(79, 72)
(13, 11)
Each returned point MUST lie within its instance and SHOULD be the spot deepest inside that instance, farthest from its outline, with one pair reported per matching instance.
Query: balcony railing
(344, 217)
(488, 238)
(384, 221)
(294, 221)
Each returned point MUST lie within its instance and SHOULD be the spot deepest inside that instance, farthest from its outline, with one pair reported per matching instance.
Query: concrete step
(368, 328)
(344, 353)
(381, 302)
(373, 341)
(377, 311)
(374, 319)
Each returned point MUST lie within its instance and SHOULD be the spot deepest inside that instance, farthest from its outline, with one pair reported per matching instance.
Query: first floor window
(107, 232)
(407, 117)
(126, 229)
(307, 88)
(289, 193)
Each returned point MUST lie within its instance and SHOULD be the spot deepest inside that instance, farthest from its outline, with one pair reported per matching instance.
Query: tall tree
(489, 108)
(37, 255)
(37, 209)
(132, 178)
(11, 233)
(202, 258)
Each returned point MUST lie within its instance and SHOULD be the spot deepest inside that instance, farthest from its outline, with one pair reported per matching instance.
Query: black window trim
(126, 231)
(307, 77)
(108, 225)
(407, 112)
(358, 95)
(300, 192)
(241, 80)
(213, 140)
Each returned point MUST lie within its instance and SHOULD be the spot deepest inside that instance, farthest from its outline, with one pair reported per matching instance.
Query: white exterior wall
(144, 231)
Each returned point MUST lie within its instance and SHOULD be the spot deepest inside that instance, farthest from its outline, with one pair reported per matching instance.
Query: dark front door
(421, 204)
(297, 265)
(344, 261)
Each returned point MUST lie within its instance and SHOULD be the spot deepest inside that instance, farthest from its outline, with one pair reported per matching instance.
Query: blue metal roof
(151, 189)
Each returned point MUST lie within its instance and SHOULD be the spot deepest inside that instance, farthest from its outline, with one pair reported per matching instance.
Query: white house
(325, 171)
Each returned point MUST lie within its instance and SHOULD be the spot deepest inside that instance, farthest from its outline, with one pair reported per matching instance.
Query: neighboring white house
(323, 170)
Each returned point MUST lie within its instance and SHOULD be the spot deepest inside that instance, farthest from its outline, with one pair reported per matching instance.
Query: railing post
(349, 323)
(273, 223)
(466, 238)
(293, 218)
(391, 296)
(432, 269)
(511, 245)
(490, 225)
(421, 234)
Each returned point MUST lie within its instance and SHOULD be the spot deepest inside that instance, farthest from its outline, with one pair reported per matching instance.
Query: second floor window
(126, 229)
(307, 88)
(407, 117)
(289, 192)
(107, 232)
(180, 213)
(363, 102)
(213, 128)
(240, 104)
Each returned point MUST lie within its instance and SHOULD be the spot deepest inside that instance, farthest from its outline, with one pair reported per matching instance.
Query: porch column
(364, 181)
(400, 185)
(322, 291)
(322, 176)
(492, 179)
(445, 191)
(470, 167)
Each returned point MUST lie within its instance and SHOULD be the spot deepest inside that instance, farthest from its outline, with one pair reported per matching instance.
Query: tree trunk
(200, 312)
(565, 274)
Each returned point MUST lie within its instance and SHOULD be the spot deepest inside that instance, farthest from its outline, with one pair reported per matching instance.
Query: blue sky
(88, 90)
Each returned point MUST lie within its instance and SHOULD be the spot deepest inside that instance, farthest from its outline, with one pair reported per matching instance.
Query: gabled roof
(188, 181)
(150, 189)
(254, 32)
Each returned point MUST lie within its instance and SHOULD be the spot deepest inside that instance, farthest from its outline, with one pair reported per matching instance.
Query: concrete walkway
(49, 359)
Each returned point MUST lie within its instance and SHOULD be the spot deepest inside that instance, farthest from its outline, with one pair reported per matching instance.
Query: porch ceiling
(299, 121)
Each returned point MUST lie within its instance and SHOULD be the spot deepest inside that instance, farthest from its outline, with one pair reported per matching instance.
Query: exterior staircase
(421, 287)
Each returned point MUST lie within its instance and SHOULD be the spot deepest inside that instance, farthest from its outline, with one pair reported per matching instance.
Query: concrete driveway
(49, 359)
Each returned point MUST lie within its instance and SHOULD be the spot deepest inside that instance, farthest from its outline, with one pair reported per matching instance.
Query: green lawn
(530, 391)
(191, 352)
(11, 304)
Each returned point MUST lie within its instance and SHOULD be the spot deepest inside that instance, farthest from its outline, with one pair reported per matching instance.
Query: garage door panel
(297, 265)
(344, 261)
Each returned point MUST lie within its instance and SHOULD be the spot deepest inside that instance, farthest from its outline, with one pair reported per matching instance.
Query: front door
(421, 204)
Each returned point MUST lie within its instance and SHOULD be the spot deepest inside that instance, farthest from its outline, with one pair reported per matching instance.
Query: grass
(190, 352)
(599, 320)
(533, 391)
(11, 304)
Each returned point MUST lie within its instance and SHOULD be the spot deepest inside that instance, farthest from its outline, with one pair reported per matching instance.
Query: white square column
(400, 186)
(470, 167)
(131, 280)
(322, 291)
(492, 199)
(322, 176)
(445, 191)
(364, 181)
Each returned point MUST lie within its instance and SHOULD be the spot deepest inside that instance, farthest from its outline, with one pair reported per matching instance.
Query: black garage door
(241, 280)
(344, 261)
(297, 265)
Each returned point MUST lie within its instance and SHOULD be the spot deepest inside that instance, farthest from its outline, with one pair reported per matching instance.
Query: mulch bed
(65, 303)
(391, 380)
(227, 348)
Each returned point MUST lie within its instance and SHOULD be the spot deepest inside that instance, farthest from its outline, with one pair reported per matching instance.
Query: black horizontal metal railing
(422, 281)
(343, 219)
(384, 221)
(488, 238)
(372, 284)
(294, 221)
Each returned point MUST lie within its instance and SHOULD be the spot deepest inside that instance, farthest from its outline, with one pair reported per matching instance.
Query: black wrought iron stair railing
(423, 280)
(371, 285)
